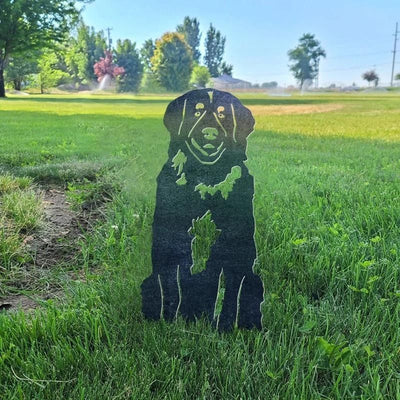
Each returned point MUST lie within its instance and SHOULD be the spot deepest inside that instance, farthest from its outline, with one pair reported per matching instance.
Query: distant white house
(227, 82)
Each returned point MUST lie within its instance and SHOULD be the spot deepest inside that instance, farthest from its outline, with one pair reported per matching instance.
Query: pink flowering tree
(106, 67)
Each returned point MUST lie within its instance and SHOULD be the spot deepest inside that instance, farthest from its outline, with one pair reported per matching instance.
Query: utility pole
(317, 75)
(109, 38)
(394, 52)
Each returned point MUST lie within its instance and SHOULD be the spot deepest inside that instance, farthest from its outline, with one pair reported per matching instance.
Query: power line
(345, 56)
(337, 69)
(354, 68)
(360, 55)
(394, 52)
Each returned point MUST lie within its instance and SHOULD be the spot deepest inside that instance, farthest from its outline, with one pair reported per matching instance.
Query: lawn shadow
(103, 100)
(272, 101)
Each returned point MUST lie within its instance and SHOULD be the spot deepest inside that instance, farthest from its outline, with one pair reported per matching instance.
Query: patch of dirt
(56, 242)
(14, 303)
(294, 109)
(21, 302)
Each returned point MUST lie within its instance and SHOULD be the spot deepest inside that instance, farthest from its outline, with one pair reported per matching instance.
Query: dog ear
(244, 121)
(174, 115)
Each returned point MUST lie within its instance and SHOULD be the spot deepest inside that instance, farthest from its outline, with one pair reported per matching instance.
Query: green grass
(24, 208)
(9, 183)
(328, 226)
(21, 212)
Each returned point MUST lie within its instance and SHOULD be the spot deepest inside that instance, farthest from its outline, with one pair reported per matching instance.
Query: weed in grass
(24, 208)
(87, 194)
(20, 211)
(9, 183)
(11, 248)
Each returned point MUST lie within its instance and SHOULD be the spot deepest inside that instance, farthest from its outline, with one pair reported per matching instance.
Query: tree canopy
(226, 69)
(200, 76)
(304, 58)
(147, 52)
(215, 47)
(191, 31)
(31, 30)
(28, 25)
(50, 71)
(371, 76)
(127, 56)
(172, 61)
(21, 67)
(83, 51)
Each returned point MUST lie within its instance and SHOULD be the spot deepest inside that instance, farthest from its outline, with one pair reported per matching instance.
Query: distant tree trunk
(17, 84)
(2, 87)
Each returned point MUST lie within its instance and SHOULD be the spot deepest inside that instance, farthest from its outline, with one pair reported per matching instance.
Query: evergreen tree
(147, 52)
(226, 69)
(215, 47)
(127, 56)
(191, 31)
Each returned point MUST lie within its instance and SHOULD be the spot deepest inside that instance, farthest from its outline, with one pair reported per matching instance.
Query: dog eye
(197, 114)
(220, 115)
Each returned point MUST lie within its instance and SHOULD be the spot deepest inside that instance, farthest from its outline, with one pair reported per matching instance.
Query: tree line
(46, 43)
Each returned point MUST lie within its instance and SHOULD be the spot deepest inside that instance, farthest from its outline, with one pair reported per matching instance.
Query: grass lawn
(327, 207)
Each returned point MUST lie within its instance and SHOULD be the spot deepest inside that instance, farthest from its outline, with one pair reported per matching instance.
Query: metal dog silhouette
(203, 230)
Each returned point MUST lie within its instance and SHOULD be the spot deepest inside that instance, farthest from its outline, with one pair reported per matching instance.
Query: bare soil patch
(294, 109)
(17, 302)
(54, 245)
(57, 242)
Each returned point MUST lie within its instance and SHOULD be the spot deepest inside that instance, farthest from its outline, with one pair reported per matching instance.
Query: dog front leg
(170, 253)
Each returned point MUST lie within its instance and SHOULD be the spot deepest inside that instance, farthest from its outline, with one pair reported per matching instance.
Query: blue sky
(356, 34)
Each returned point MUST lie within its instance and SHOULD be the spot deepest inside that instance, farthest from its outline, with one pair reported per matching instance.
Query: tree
(127, 57)
(105, 66)
(149, 82)
(371, 76)
(269, 85)
(397, 77)
(50, 71)
(305, 58)
(172, 61)
(29, 25)
(147, 52)
(215, 47)
(20, 67)
(226, 69)
(83, 51)
(200, 76)
(191, 31)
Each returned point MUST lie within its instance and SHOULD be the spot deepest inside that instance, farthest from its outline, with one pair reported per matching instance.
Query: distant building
(227, 82)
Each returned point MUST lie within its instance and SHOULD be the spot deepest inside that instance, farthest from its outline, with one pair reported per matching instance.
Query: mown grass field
(327, 207)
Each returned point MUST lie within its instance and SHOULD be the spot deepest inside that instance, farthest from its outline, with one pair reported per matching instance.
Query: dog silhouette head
(209, 124)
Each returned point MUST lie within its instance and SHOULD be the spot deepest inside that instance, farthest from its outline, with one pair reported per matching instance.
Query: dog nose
(210, 133)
